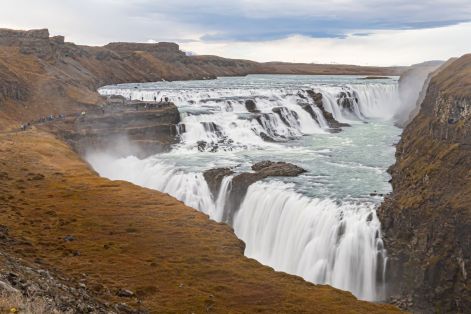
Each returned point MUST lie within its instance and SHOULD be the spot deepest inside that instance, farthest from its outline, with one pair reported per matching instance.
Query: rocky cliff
(427, 218)
(121, 128)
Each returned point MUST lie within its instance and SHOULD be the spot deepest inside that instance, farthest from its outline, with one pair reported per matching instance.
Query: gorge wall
(427, 219)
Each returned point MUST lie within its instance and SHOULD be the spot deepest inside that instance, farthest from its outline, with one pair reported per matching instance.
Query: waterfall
(325, 240)
(188, 187)
(319, 240)
(223, 194)
(217, 119)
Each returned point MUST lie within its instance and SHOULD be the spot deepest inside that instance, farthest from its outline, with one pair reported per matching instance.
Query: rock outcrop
(251, 106)
(241, 182)
(214, 179)
(427, 218)
(317, 98)
(121, 128)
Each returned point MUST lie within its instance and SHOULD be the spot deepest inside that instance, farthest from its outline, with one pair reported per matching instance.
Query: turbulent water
(321, 225)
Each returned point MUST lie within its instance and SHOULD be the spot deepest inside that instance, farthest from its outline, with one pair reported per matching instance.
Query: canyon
(167, 254)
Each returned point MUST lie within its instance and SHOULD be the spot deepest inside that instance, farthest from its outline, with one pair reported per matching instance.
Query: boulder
(277, 169)
(125, 293)
(251, 106)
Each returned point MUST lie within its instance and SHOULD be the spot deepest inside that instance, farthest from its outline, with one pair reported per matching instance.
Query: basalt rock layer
(427, 218)
(129, 128)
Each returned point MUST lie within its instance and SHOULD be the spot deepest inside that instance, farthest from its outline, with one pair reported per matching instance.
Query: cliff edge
(427, 218)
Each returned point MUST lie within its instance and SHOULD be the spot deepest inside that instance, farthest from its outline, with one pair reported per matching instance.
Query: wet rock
(214, 178)
(201, 145)
(333, 123)
(277, 169)
(308, 109)
(347, 100)
(241, 182)
(282, 112)
(316, 97)
(251, 106)
(267, 138)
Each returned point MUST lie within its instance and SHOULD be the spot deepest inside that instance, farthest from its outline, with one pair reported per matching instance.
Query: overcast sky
(366, 32)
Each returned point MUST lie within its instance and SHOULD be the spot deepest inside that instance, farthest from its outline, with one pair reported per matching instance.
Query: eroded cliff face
(427, 218)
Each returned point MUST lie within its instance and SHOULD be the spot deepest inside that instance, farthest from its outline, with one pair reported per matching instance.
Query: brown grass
(174, 258)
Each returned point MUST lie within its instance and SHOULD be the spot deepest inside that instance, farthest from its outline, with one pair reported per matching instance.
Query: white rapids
(321, 225)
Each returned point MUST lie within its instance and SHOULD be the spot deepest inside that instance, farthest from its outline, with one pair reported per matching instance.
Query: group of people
(155, 98)
(52, 117)
(150, 105)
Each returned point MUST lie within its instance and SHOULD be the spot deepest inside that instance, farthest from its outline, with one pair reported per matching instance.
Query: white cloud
(98, 22)
(398, 47)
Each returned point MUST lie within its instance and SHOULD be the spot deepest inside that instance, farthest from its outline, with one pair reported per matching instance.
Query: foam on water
(321, 225)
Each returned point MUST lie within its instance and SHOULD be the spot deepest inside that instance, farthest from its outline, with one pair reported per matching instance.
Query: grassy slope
(129, 237)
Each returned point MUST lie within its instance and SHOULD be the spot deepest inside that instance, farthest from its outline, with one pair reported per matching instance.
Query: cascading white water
(220, 205)
(321, 226)
(188, 187)
(219, 118)
(319, 240)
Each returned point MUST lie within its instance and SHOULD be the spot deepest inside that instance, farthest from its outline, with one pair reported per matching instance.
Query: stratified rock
(426, 221)
(138, 128)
